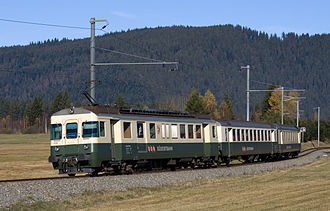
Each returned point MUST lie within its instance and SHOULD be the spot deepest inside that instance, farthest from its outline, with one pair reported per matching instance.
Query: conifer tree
(195, 103)
(225, 109)
(120, 102)
(34, 110)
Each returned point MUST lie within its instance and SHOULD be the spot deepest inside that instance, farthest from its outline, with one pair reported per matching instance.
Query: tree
(265, 103)
(195, 103)
(34, 110)
(120, 102)
(225, 109)
(60, 102)
(289, 105)
(257, 113)
(211, 105)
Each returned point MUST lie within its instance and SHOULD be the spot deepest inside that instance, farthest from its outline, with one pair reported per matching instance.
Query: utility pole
(318, 125)
(297, 113)
(93, 63)
(282, 99)
(92, 51)
(247, 67)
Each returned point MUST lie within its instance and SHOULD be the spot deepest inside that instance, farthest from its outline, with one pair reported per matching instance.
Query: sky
(272, 17)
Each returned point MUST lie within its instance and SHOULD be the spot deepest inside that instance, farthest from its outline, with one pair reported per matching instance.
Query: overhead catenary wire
(45, 24)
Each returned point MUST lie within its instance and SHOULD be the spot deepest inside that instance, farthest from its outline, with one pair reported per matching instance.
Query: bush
(31, 130)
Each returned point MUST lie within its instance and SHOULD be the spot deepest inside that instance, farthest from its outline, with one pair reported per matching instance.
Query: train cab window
(90, 129)
(139, 129)
(127, 130)
(234, 134)
(71, 130)
(190, 131)
(214, 132)
(182, 131)
(174, 130)
(152, 130)
(198, 131)
(102, 132)
(56, 132)
(238, 135)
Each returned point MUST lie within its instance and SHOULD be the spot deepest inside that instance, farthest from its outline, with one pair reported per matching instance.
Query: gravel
(45, 190)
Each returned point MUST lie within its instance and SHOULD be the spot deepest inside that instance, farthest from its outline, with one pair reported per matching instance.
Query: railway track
(303, 153)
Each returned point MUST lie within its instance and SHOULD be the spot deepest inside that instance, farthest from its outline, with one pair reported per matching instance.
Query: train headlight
(86, 146)
(57, 149)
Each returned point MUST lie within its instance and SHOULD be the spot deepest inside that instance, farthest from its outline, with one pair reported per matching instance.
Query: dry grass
(313, 144)
(300, 188)
(25, 156)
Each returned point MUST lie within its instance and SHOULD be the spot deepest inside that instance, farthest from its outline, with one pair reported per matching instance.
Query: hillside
(210, 58)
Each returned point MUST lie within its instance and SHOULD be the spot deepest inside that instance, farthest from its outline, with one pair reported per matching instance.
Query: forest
(209, 59)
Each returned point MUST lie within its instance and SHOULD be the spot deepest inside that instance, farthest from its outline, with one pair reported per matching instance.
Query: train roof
(239, 123)
(159, 115)
(137, 114)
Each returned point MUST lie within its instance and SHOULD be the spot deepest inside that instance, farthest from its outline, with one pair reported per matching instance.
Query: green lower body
(95, 157)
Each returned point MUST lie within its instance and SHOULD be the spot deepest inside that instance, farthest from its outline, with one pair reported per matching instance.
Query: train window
(269, 135)
(174, 130)
(238, 135)
(198, 131)
(226, 134)
(56, 132)
(190, 131)
(127, 130)
(214, 132)
(139, 129)
(152, 130)
(251, 136)
(102, 133)
(163, 131)
(234, 134)
(167, 130)
(90, 129)
(182, 131)
(258, 134)
(246, 135)
(262, 135)
(255, 135)
(71, 130)
(243, 135)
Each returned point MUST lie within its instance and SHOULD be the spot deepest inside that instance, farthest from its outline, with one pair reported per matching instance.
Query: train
(94, 139)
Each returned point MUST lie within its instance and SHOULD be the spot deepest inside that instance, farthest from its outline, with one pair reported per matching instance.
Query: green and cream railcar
(289, 140)
(91, 140)
(246, 140)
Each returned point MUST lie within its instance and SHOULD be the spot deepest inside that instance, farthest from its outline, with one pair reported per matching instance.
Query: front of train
(74, 138)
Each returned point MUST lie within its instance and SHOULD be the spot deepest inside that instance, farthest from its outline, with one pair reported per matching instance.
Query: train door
(206, 140)
(141, 136)
(112, 138)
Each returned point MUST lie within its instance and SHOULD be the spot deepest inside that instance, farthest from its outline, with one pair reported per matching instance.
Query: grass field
(299, 188)
(26, 156)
